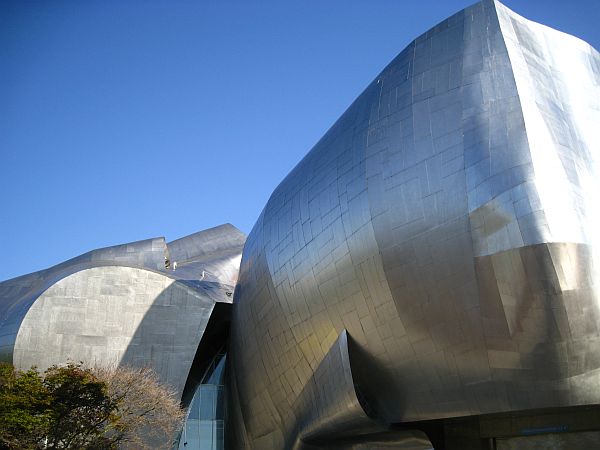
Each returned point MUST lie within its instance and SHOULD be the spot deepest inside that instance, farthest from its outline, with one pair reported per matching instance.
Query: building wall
(18, 294)
(116, 315)
(446, 222)
(123, 305)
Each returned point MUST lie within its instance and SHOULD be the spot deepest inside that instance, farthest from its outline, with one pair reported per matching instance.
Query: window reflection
(204, 425)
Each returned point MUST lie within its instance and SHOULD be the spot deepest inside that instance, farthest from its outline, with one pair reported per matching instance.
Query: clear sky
(125, 120)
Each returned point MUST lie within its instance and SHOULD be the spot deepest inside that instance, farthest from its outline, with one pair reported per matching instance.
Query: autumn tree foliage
(74, 407)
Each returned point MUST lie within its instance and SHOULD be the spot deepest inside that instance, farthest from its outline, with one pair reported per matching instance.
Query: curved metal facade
(144, 304)
(434, 256)
(445, 228)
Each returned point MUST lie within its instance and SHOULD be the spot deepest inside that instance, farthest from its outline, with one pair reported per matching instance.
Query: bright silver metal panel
(122, 304)
(448, 222)
(115, 315)
(211, 255)
(18, 294)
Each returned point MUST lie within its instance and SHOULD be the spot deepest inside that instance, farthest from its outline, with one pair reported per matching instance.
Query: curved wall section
(426, 223)
(116, 315)
(211, 255)
(18, 294)
(123, 305)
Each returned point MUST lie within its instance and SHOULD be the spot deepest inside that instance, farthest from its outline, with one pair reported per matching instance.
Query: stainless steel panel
(448, 222)
(122, 304)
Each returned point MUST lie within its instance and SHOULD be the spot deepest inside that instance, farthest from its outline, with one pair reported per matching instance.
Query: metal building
(435, 255)
(129, 305)
(427, 276)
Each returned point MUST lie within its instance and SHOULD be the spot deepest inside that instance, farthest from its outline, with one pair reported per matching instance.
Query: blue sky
(125, 120)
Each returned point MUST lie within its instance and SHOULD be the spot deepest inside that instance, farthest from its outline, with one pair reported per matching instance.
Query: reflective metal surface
(145, 304)
(448, 222)
(435, 255)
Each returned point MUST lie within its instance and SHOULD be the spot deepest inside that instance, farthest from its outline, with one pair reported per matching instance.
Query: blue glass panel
(204, 425)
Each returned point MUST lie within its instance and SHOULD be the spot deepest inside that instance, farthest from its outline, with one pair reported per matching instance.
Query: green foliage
(73, 407)
(66, 407)
(25, 408)
(81, 408)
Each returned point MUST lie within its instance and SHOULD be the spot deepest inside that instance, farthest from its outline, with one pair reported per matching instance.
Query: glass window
(204, 427)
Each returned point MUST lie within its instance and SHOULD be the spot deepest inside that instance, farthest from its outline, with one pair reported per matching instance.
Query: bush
(74, 407)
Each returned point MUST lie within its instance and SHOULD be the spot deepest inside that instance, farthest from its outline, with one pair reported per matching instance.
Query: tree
(25, 412)
(82, 409)
(74, 407)
(149, 413)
